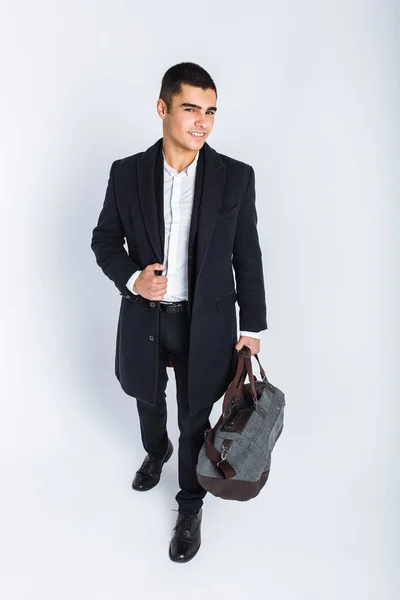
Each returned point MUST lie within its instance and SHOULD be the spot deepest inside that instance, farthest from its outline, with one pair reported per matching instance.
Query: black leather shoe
(149, 473)
(187, 537)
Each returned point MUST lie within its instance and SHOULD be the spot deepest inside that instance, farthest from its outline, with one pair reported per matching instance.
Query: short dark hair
(184, 73)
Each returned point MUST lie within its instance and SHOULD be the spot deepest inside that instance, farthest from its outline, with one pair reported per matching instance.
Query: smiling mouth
(196, 134)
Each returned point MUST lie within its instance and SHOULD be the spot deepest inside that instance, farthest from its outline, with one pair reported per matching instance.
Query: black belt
(174, 307)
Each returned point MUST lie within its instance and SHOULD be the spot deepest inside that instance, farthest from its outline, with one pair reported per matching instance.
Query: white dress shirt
(178, 205)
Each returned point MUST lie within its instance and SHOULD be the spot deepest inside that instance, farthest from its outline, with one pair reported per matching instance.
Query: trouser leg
(153, 419)
(191, 494)
(176, 329)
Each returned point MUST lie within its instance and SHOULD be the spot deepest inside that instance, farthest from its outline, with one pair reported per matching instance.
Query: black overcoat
(224, 265)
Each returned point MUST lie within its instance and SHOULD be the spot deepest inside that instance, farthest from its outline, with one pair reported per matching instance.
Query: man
(188, 216)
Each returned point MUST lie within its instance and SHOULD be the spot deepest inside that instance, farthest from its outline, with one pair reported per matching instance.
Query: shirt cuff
(131, 282)
(253, 334)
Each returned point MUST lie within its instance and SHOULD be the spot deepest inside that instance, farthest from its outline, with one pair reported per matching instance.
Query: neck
(177, 157)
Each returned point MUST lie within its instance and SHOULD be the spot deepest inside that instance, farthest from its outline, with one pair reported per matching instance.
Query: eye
(209, 112)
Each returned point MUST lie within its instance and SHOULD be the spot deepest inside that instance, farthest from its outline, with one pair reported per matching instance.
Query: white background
(309, 96)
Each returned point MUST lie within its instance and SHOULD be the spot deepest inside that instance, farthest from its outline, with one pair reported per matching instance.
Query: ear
(161, 108)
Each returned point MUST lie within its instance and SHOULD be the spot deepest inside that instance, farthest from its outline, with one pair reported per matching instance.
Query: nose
(200, 121)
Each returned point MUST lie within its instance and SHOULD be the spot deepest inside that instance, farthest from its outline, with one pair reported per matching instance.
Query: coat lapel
(213, 183)
(147, 196)
(159, 190)
(210, 176)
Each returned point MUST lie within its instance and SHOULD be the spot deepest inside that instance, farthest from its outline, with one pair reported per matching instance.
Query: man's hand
(150, 286)
(250, 342)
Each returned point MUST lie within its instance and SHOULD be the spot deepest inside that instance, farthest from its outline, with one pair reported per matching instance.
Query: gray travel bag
(235, 459)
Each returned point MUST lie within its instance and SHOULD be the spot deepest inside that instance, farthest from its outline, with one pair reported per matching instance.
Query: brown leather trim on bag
(233, 490)
(239, 421)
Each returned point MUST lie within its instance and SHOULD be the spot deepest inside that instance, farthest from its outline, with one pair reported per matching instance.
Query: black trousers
(174, 340)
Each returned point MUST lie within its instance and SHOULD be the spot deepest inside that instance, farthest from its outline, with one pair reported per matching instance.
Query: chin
(196, 145)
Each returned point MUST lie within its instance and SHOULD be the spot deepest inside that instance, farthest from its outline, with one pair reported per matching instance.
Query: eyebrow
(214, 108)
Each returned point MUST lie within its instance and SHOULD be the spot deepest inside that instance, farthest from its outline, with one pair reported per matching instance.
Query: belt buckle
(171, 308)
(164, 306)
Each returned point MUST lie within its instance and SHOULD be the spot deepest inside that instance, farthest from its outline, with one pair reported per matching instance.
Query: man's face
(192, 112)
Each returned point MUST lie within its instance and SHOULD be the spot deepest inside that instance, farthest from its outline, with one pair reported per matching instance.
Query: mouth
(197, 134)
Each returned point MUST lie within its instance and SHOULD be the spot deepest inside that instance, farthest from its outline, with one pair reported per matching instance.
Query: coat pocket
(228, 214)
(224, 302)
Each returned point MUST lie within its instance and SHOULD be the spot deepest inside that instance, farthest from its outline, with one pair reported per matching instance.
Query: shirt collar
(190, 169)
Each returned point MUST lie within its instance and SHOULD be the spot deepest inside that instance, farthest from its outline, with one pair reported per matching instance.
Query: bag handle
(243, 369)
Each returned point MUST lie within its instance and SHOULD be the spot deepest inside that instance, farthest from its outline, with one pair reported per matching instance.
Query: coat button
(151, 338)
(127, 296)
(152, 304)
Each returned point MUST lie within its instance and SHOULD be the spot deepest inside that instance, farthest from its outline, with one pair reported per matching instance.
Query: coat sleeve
(247, 263)
(108, 240)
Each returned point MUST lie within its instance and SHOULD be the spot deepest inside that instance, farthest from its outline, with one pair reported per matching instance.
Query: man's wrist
(131, 282)
(253, 334)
